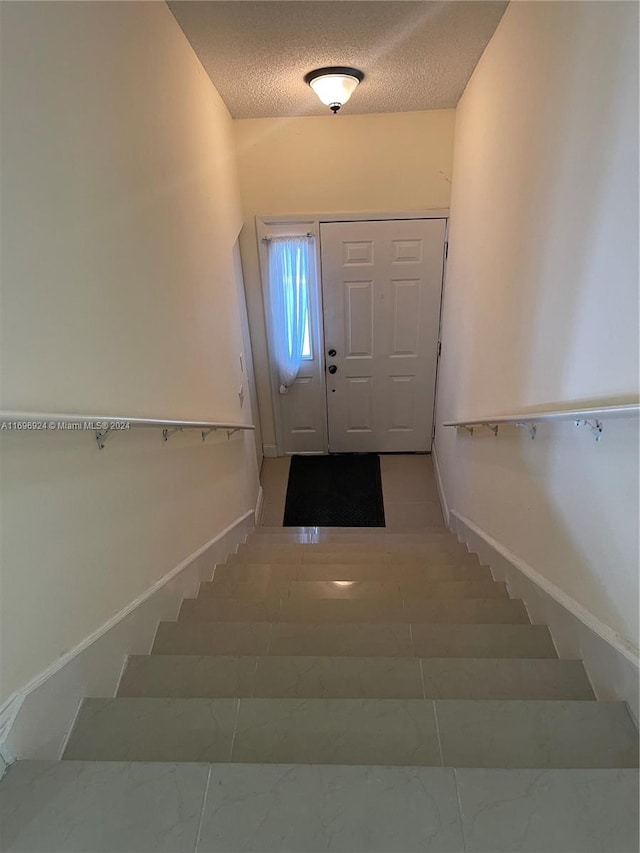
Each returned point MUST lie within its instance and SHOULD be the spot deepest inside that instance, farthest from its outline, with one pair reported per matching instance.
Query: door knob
(333, 369)
(331, 353)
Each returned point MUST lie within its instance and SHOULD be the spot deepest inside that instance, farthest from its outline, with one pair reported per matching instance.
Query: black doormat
(334, 491)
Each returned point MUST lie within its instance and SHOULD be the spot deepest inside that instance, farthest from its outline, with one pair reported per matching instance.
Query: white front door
(381, 287)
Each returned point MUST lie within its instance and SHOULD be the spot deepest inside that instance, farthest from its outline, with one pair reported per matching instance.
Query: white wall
(120, 210)
(541, 298)
(343, 163)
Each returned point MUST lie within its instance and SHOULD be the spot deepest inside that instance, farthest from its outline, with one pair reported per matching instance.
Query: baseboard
(35, 721)
(259, 506)
(610, 661)
(270, 451)
(440, 486)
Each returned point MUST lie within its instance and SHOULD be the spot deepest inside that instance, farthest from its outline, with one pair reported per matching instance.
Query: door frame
(265, 225)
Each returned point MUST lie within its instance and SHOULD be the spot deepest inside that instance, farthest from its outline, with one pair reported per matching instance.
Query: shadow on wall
(558, 488)
(85, 531)
(542, 297)
(546, 262)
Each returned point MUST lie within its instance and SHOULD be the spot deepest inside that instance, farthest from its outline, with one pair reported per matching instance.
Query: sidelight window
(290, 271)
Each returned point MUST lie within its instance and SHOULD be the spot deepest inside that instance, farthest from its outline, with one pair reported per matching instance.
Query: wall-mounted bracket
(594, 426)
(468, 429)
(492, 427)
(167, 433)
(229, 432)
(102, 436)
(530, 427)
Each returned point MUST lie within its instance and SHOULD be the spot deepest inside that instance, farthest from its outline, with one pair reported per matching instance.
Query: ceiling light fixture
(334, 85)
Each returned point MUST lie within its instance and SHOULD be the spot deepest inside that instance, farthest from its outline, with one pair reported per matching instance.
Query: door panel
(358, 315)
(402, 403)
(405, 320)
(359, 394)
(302, 412)
(358, 254)
(381, 286)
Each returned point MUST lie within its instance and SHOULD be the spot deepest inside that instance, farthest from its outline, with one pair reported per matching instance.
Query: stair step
(368, 571)
(273, 677)
(482, 641)
(435, 538)
(271, 555)
(468, 733)
(395, 558)
(101, 807)
(523, 733)
(353, 590)
(295, 550)
(135, 806)
(289, 807)
(354, 531)
(212, 638)
(261, 638)
(267, 609)
(385, 543)
(352, 677)
(509, 678)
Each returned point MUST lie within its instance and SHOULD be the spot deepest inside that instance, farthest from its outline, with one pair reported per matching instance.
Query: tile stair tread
(373, 531)
(392, 535)
(201, 676)
(590, 811)
(350, 571)
(358, 808)
(101, 807)
(367, 544)
(162, 807)
(274, 609)
(377, 557)
(357, 589)
(331, 541)
(353, 531)
(393, 540)
(365, 639)
(388, 546)
(483, 640)
(453, 733)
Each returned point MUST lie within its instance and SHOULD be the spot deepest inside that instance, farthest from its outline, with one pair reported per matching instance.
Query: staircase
(357, 691)
(355, 648)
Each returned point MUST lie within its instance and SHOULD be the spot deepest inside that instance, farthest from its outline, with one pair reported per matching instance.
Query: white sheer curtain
(290, 265)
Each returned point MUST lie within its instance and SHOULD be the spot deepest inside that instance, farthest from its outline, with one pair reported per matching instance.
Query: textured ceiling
(415, 55)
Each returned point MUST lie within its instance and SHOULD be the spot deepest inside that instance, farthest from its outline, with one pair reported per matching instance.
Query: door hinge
(439, 348)
(446, 249)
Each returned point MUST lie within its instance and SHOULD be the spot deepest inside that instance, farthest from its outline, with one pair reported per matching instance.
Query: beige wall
(120, 211)
(541, 298)
(385, 162)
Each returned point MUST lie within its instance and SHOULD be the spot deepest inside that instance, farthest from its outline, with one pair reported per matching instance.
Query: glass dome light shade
(334, 86)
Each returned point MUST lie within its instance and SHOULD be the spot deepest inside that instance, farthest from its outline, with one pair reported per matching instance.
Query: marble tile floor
(112, 807)
(408, 489)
